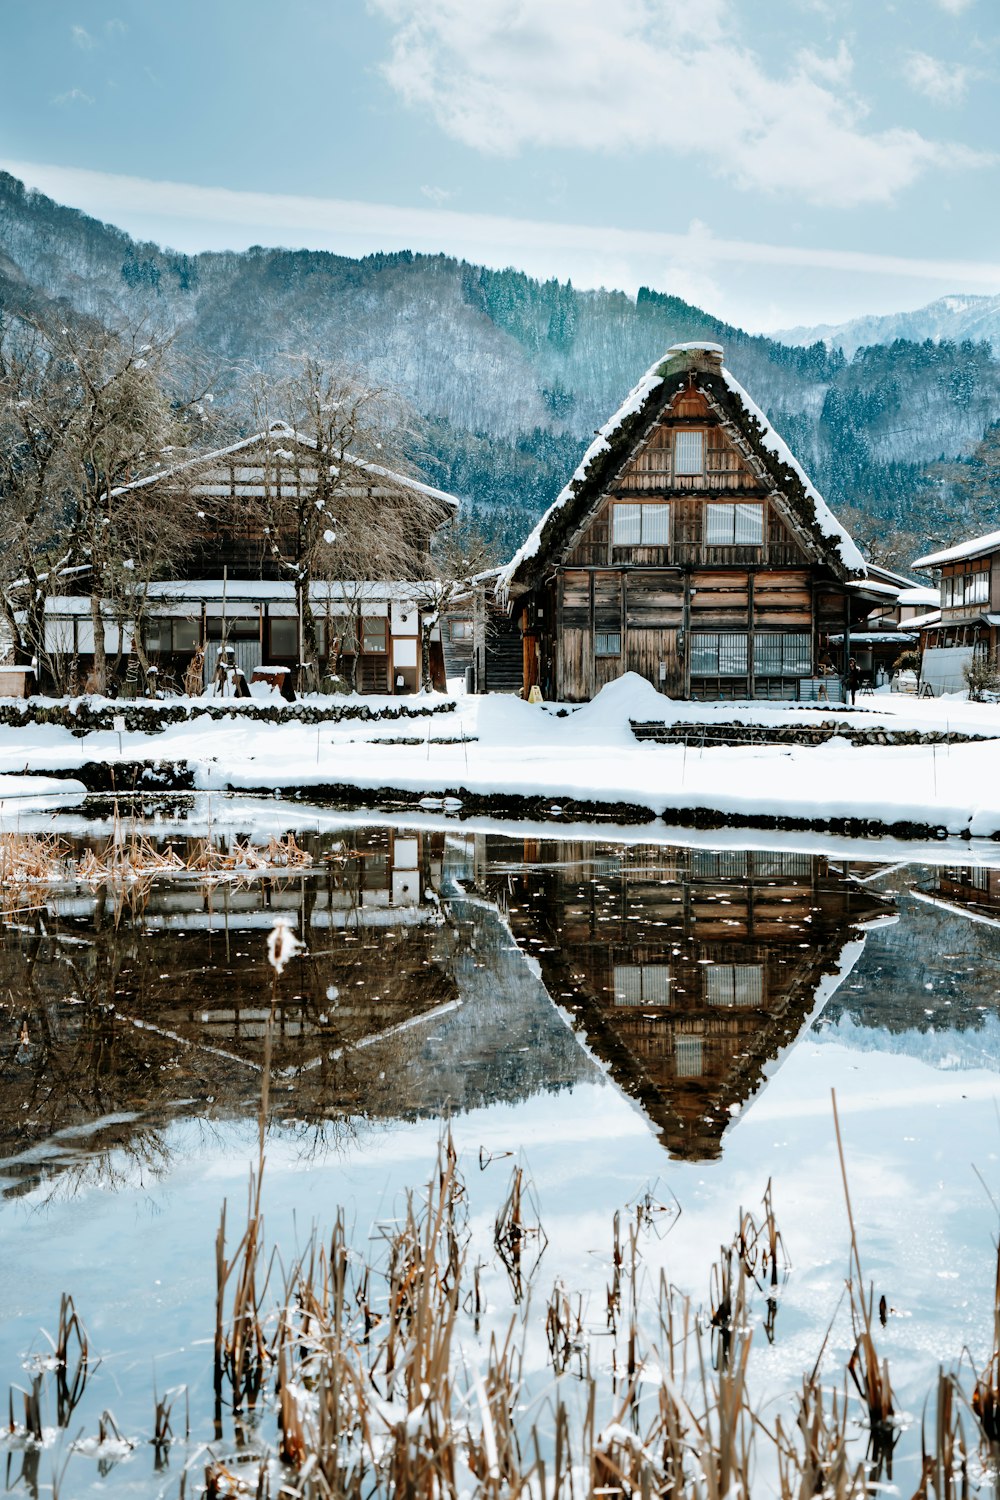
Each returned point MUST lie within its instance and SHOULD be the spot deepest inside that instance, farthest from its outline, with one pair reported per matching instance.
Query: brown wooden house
(689, 547)
(234, 593)
(968, 577)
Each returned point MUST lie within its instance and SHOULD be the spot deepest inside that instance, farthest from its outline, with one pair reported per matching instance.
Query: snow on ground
(18, 793)
(500, 744)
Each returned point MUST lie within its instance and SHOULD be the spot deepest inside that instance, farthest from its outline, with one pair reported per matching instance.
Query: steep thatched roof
(803, 506)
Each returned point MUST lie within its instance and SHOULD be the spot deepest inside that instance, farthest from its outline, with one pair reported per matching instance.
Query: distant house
(891, 628)
(968, 623)
(689, 547)
(235, 592)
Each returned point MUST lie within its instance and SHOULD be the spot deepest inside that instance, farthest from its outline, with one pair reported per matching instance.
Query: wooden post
(751, 663)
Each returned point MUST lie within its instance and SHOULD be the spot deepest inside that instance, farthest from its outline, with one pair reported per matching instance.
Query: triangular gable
(698, 367)
(279, 438)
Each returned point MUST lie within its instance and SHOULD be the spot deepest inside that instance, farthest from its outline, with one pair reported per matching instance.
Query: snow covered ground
(499, 744)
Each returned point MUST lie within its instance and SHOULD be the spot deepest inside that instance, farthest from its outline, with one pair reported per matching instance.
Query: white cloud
(72, 96)
(82, 38)
(502, 76)
(955, 7)
(834, 70)
(936, 80)
(438, 195)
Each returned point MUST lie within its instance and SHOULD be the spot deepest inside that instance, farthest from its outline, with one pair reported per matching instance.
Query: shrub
(907, 661)
(982, 674)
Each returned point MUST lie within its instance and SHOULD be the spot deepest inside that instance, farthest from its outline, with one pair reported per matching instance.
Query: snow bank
(502, 745)
(15, 791)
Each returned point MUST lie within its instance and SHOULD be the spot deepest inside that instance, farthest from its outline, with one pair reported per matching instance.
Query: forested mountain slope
(513, 375)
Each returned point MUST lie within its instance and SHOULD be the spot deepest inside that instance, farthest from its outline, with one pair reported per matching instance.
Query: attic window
(689, 453)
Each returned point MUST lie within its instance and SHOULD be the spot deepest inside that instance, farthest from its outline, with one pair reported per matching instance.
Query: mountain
(952, 318)
(511, 375)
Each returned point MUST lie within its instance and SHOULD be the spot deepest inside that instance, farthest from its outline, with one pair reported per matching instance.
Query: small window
(718, 654)
(186, 635)
(641, 984)
(373, 634)
(461, 630)
(640, 526)
(607, 643)
(734, 984)
(734, 525)
(688, 1057)
(784, 654)
(977, 588)
(156, 635)
(284, 637)
(689, 453)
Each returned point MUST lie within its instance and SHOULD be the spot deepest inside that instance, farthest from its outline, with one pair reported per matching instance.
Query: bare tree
(458, 560)
(84, 413)
(335, 508)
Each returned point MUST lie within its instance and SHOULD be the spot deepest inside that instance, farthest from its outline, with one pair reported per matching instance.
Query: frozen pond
(631, 1021)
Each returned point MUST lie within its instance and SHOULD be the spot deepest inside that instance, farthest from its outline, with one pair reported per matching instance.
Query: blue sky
(775, 161)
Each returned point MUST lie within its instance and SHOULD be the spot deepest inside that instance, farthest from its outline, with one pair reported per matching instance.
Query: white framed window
(689, 453)
(640, 525)
(718, 653)
(607, 643)
(641, 984)
(374, 632)
(734, 984)
(740, 525)
(461, 630)
(977, 588)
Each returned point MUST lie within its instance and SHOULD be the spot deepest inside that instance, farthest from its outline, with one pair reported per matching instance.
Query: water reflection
(689, 971)
(970, 890)
(119, 1015)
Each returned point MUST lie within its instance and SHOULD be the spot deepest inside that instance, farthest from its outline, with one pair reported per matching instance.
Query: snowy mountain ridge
(510, 377)
(955, 317)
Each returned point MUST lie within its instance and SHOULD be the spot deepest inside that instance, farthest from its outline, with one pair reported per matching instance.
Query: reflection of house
(689, 547)
(234, 590)
(112, 1023)
(689, 971)
(968, 577)
(972, 890)
(170, 1006)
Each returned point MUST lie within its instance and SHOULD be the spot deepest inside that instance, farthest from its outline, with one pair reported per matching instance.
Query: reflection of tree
(124, 1012)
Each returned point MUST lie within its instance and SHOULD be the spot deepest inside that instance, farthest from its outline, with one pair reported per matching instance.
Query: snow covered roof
(886, 575)
(919, 595)
(875, 637)
(975, 547)
(281, 433)
(642, 408)
(876, 589)
(921, 622)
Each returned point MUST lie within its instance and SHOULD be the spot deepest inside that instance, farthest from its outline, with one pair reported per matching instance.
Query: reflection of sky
(137, 1252)
(140, 1261)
